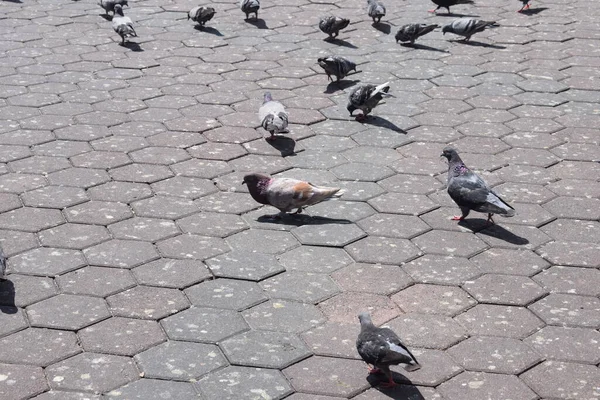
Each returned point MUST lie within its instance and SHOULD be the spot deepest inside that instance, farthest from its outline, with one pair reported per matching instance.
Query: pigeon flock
(380, 348)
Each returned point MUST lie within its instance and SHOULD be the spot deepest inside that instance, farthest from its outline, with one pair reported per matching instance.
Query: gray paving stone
(244, 383)
(164, 207)
(477, 385)
(146, 229)
(171, 273)
(343, 307)
(554, 379)
(40, 347)
(338, 235)
(22, 381)
(333, 339)
(247, 265)
(428, 330)
(315, 259)
(154, 389)
(433, 299)
(54, 197)
(124, 192)
(496, 320)
(197, 324)
(372, 278)
(195, 247)
(442, 270)
(57, 394)
(383, 250)
(226, 293)
(212, 224)
(120, 253)
(566, 344)
(147, 302)
(270, 242)
(559, 279)
(68, 312)
(506, 261)
(22, 290)
(402, 203)
(29, 219)
(568, 310)
(504, 289)
(300, 286)
(47, 261)
(284, 316)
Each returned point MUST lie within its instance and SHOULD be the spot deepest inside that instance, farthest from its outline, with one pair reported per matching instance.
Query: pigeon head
(450, 154)
(257, 186)
(119, 10)
(124, 3)
(446, 28)
(365, 318)
(351, 108)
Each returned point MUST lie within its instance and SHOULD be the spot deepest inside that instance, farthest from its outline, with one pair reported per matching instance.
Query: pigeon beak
(243, 182)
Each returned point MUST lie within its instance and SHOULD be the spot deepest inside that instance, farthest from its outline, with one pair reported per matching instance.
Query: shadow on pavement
(133, 46)
(342, 84)
(340, 42)
(300, 220)
(398, 392)
(533, 11)
(480, 44)
(284, 145)
(257, 22)
(382, 27)
(7, 297)
(382, 123)
(500, 233)
(419, 46)
(208, 29)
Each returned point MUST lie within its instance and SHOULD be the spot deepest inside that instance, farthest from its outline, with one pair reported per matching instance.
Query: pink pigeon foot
(457, 218)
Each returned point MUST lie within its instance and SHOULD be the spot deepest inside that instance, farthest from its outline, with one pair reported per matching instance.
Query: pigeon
(411, 32)
(366, 98)
(332, 25)
(2, 266)
(448, 3)
(250, 7)
(273, 117)
(287, 193)
(109, 5)
(467, 27)
(336, 66)
(122, 24)
(376, 10)
(381, 347)
(526, 5)
(201, 15)
(470, 192)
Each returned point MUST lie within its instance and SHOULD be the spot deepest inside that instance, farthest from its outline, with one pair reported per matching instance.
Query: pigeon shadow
(300, 220)
(7, 297)
(257, 22)
(133, 46)
(499, 232)
(382, 27)
(382, 123)
(340, 42)
(342, 84)
(419, 46)
(106, 17)
(533, 11)
(457, 15)
(208, 29)
(284, 145)
(479, 44)
(13, 1)
(403, 391)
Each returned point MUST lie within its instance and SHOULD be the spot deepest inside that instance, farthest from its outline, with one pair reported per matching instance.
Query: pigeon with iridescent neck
(366, 97)
(273, 117)
(122, 24)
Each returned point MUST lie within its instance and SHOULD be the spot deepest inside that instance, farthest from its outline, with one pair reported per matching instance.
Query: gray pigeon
(411, 32)
(287, 193)
(366, 98)
(250, 7)
(109, 5)
(122, 24)
(526, 5)
(470, 192)
(447, 3)
(201, 15)
(376, 10)
(336, 66)
(332, 25)
(381, 347)
(467, 27)
(273, 117)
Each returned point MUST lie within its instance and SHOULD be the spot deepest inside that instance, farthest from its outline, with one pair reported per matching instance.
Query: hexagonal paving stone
(121, 336)
(436, 367)
(428, 330)
(154, 389)
(481, 385)
(504, 289)
(212, 224)
(383, 250)
(54, 197)
(344, 307)
(21, 290)
(570, 280)
(164, 207)
(567, 344)
(443, 270)
(505, 321)
(66, 311)
(12, 319)
(79, 177)
(333, 339)
(393, 225)
(241, 383)
(271, 242)
(182, 361)
(315, 259)
(95, 281)
(433, 299)
(30, 219)
(226, 293)
(554, 379)
(192, 246)
(57, 394)
(572, 230)
(571, 254)
(372, 278)
(300, 286)
(513, 262)
(124, 192)
(46, 261)
(264, 349)
(147, 302)
(245, 265)
(74, 236)
(494, 354)
(459, 244)
(283, 316)
(574, 207)
(198, 324)
(92, 372)
(171, 273)
(568, 310)
(40, 347)
(98, 212)
(121, 253)
(402, 203)
(327, 234)
(181, 186)
(21, 381)
(146, 229)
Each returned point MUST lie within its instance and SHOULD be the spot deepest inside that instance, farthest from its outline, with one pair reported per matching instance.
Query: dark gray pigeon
(467, 27)
(109, 5)
(526, 5)
(122, 24)
(381, 347)
(366, 98)
(470, 192)
(332, 25)
(376, 10)
(411, 32)
(448, 3)
(250, 7)
(336, 66)
(201, 15)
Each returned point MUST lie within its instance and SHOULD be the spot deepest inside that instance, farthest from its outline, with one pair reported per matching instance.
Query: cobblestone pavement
(140, 268)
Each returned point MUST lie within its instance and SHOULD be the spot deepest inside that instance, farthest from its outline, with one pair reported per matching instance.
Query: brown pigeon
(287, 193)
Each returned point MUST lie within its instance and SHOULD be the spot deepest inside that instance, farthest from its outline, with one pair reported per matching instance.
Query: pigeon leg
(490, 220)
(527, 6)
(271, 138)
(434, 10)
(361, 117)
(390, 383)
(458, 218)
(373, 369)
(299, 210)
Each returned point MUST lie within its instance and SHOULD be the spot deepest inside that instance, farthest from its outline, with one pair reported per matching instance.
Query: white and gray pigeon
(526, 5)
(201, 15)
(250, 7)
(381, 347)
(337, 66)
(122, 24)
(273, 117)
(109, 5)
(332, 25)
(467, 27)
(411, 32)
(376, 10)
(287, 194)
(470, 192)
(366, 97)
